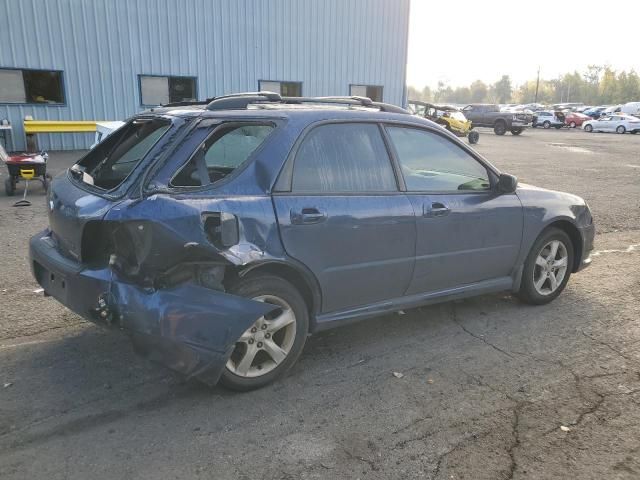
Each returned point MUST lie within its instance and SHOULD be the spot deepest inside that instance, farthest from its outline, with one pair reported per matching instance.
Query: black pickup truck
(489, 115)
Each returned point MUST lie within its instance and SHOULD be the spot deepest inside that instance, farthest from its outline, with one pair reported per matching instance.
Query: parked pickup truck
(489, 115)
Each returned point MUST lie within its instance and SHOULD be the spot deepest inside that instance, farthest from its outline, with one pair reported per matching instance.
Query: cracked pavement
(488, 382)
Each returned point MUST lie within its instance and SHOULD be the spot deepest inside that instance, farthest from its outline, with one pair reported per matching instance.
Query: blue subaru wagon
(219, 234)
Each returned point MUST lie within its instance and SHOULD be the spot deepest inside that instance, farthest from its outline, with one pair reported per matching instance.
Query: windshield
(110, 162)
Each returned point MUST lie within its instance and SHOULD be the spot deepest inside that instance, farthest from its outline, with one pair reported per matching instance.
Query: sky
(459, 41)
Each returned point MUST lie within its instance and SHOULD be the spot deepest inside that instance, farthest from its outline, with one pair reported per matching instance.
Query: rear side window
(110, 162)
(226, 149)
(343, 158)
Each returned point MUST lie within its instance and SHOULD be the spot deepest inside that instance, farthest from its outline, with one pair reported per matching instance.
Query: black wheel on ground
(634, 131)
(9, 186)
(621, 129)
(516, 131)
(267, 349)
(588, 128)
(546, 124)
(500, 128)
(547, 268)
(474, 137)
(558, 127)
(572, 124)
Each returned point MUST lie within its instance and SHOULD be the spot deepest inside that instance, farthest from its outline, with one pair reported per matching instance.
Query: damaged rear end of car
(136, 241)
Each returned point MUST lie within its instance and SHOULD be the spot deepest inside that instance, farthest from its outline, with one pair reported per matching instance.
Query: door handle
(438, 209)
(307, 216)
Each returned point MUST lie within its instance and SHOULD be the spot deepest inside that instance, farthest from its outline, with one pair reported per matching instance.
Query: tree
(478, 91)
(502, 89)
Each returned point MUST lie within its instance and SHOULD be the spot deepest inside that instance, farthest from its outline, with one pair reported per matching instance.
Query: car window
(111, 162)
(432, 163)
(224, 151)
(343, 158)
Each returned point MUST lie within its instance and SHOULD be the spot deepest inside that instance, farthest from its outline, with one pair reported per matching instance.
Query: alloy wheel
(551, 267)
(266, 344)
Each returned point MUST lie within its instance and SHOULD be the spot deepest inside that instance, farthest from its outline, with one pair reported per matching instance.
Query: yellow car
(451, 118)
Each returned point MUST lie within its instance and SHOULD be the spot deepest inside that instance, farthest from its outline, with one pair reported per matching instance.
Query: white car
(613, 123)
(104, 129)
(547, 119)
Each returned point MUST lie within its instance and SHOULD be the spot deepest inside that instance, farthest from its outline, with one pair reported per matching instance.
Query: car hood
(528, 192)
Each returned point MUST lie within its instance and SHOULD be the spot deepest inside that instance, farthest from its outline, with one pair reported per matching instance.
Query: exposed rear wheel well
(293, 276)
(576, 240)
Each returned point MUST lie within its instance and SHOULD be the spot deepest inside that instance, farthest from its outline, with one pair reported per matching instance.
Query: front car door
(466, 231)
(342, 215)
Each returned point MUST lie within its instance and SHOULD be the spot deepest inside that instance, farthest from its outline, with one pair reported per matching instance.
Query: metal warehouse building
(108, 59)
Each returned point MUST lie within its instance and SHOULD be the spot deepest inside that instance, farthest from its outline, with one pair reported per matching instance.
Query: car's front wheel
(546, 124)
(547, 267)
(516, 131)
(267, 349)
(588, 128)
(621, 129)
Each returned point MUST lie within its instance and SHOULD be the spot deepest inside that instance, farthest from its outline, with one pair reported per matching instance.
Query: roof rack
(240, 101)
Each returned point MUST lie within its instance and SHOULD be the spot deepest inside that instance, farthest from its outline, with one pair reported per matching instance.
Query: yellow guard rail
(58, 126)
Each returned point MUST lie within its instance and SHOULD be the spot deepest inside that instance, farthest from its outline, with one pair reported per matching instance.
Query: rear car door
(343, 216)
(466, 231)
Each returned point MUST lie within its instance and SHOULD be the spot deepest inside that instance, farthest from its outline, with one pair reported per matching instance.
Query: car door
(343, 216)
(467, 232)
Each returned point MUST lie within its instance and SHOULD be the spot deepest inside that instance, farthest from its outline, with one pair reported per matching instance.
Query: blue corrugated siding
(103, 45)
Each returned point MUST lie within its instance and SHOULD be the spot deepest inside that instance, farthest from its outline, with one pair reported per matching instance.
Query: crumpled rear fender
(189, 328)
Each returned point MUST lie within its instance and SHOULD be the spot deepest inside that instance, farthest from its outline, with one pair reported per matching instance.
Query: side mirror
(507, 183)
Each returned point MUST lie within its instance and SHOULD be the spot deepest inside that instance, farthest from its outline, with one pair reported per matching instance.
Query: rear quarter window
(226, 149)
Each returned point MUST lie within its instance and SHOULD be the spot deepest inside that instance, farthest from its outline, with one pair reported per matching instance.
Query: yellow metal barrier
(58, 126)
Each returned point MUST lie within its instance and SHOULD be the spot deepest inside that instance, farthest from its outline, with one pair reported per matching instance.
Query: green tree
(502, 89)
(478, 91)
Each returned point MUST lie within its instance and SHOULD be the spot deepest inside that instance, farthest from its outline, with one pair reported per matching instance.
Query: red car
(575, 119)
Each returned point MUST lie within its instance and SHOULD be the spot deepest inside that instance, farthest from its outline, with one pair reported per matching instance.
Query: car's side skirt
(333, 319)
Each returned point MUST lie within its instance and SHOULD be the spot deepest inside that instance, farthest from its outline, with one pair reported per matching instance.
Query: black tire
(474, 137)
(621, 129)
(500, 128)
(634, 132)
(572, 124)
(516, 131)
(528, 292)
(558, 127)
(588, 128)
(9, 187)
(252, 286)
(546, 124)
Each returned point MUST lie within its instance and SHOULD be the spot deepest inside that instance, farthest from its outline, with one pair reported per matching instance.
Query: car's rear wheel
(546, 124)
(621, 129)
(267, 349)
(547, 268)
(474, 137)
(516, 131)
(500, 128)
(588, 128)
(572, 124)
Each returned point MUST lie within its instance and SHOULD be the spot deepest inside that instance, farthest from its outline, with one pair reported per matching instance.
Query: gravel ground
(492, 389)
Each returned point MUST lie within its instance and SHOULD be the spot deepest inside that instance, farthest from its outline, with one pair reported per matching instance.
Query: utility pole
(537, 85)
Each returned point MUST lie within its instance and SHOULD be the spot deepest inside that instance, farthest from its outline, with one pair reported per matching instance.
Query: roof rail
(352, 100)
(240, 101)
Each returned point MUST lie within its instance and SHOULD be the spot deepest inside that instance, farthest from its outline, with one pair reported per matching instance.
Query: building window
(160, 90)
(286, 89)
(374, 92)
(31, 86)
